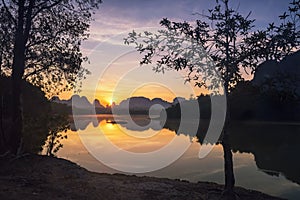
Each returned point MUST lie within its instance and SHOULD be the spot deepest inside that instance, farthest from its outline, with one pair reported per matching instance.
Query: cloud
(116, 16)
(122, 16)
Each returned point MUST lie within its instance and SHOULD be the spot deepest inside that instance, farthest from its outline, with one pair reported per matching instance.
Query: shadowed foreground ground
(41, 177)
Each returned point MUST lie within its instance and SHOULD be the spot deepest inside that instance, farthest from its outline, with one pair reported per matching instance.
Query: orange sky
(115, 71)
(116, 75)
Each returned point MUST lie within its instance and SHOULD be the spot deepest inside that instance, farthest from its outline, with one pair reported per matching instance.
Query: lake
(266, 155)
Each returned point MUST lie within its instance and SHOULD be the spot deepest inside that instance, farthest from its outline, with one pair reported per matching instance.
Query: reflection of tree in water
(41, 117)
(45, 133)
(275, 146)
(186, 129)
(58, 126)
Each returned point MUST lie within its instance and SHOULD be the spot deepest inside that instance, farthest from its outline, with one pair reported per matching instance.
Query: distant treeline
(247, 102)
(272, 95)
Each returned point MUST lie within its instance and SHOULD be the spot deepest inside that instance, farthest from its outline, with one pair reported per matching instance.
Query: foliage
(58, 126)
(277, 41)
(204, 50)
(53, 31)
(225, 46)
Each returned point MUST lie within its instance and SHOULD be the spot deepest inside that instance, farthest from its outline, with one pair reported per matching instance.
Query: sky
(115, 71)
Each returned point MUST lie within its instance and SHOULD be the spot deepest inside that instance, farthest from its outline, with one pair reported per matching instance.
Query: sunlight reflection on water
(187, 167)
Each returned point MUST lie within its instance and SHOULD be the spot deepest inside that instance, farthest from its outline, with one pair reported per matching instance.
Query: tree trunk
(228, 160)
(3, 146)
(2, 137)
(228, 164)
(17, 73)
(21, 38)
(17, 113)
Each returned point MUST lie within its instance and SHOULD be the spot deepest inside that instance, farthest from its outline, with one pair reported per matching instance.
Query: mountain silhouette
(135, 105)
(76, 101)
(81, 105)
(141, 105)
(282, 76)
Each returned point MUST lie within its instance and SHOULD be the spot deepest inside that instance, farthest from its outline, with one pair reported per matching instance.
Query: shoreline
(42, 177)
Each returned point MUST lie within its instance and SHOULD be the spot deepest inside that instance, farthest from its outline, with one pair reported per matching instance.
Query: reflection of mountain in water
(135, 123)
(82, 122)
(142, 123)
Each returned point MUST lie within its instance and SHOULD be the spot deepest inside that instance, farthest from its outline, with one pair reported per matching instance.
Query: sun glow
(107, 101)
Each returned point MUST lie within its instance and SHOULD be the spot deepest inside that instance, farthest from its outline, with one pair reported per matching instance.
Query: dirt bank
(41, 177)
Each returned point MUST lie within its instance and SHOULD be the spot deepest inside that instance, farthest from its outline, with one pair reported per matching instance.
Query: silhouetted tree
(274, 44)
(225, 45)
(277, 41)
(42, 45)
(58, 126)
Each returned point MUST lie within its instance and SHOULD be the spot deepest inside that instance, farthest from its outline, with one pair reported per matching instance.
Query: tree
(58, 126)
(223, 42)
(42, 41)
(277, 41)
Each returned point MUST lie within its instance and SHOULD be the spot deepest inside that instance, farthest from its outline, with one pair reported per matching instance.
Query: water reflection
(271, 147)
(45, 134)
(58, 126)
(275, 146)
(134, 123)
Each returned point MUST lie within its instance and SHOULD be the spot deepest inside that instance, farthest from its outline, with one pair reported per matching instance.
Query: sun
(109, 102)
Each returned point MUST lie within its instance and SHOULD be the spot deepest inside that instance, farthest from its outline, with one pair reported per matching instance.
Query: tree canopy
(52, 32)
(40, 42)
(223, 41)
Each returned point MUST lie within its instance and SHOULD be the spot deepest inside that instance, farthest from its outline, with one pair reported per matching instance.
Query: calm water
(266, 156)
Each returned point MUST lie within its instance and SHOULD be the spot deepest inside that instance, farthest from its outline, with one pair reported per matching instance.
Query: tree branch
(28, 21)
(9, 13)
(35, 72)
(45, 8)
(47, 39)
